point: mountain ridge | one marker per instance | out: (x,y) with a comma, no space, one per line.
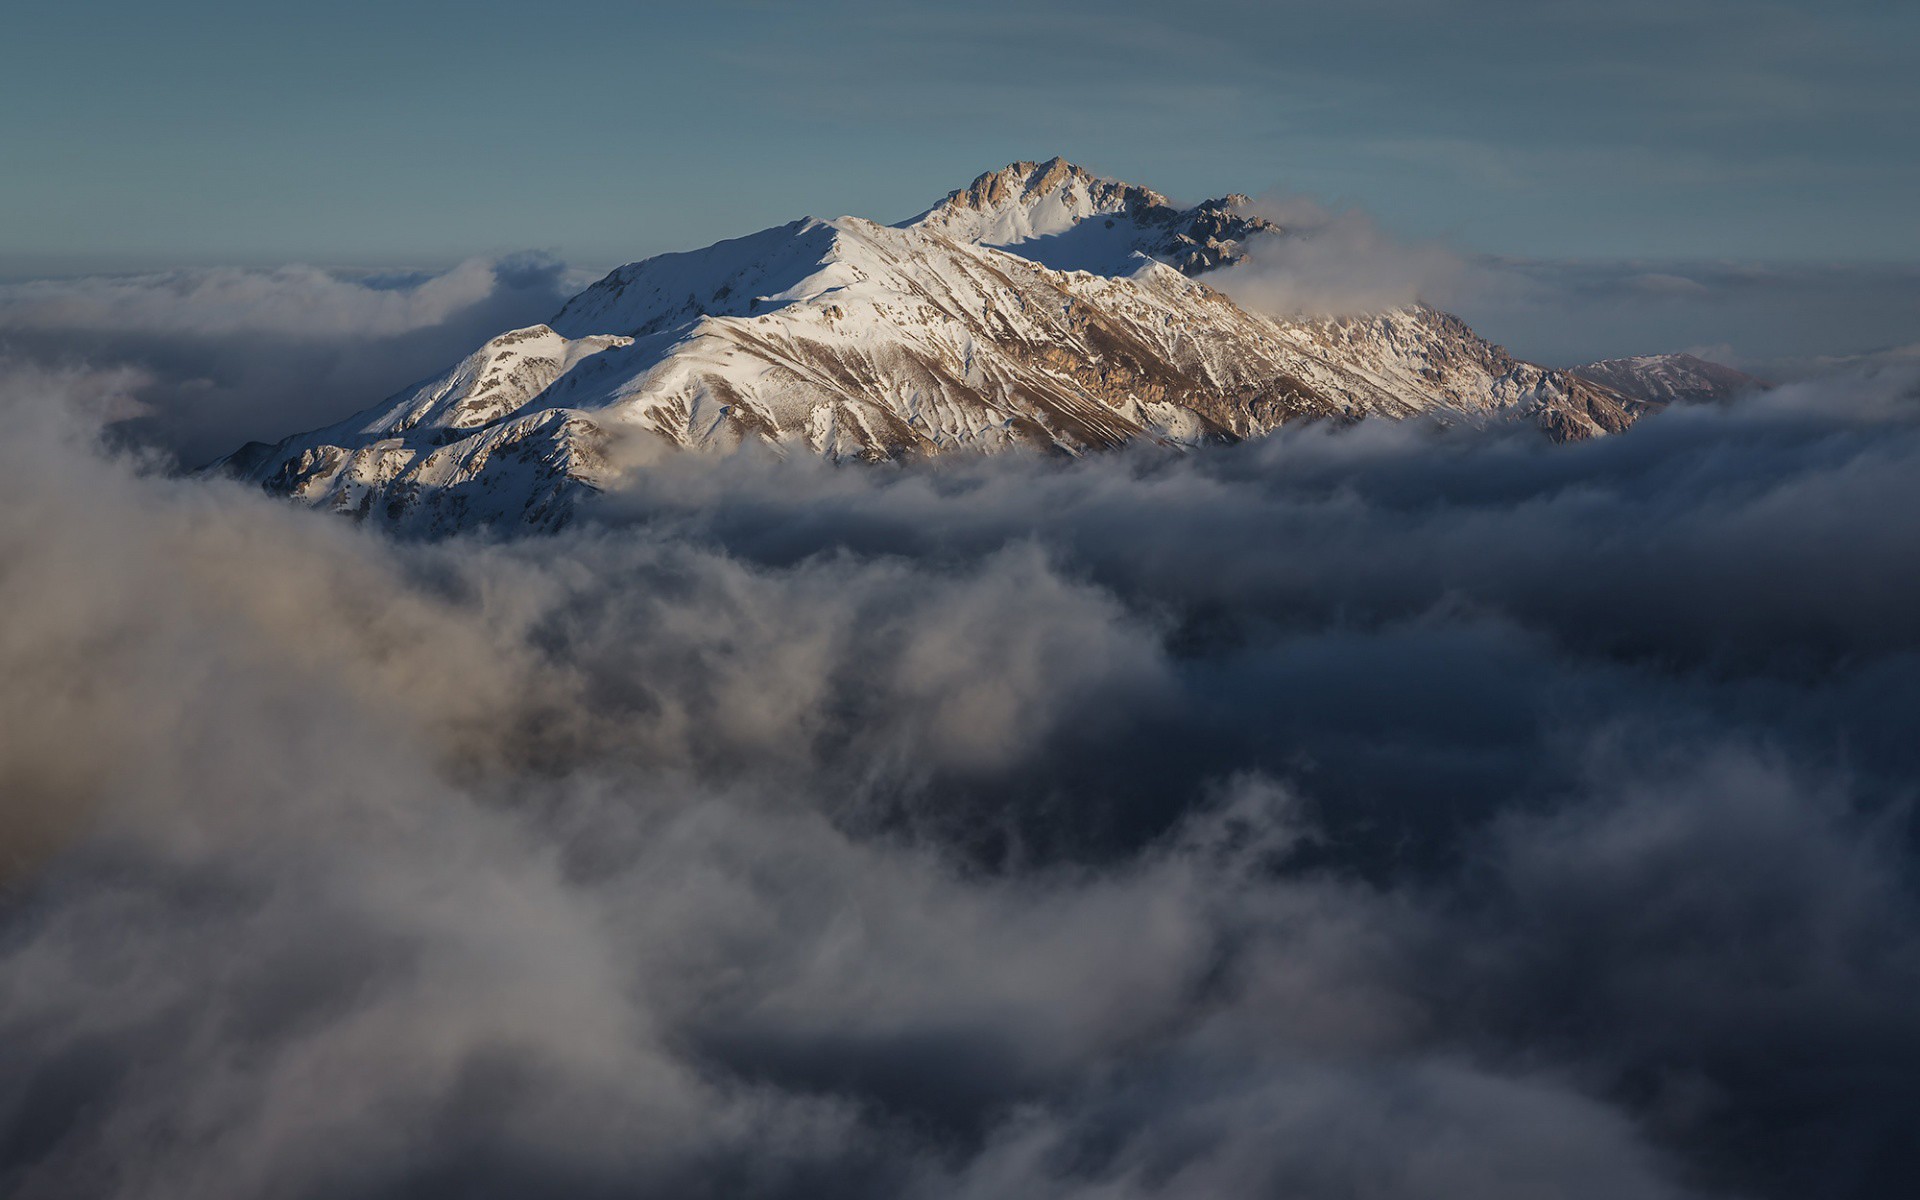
(1669,378)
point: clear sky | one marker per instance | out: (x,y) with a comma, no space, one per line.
(204,131)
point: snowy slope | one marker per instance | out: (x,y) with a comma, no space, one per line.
(966,329)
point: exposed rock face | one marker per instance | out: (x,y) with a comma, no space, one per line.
(855,340)
(1669,378)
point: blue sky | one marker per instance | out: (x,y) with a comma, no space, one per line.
(139,136)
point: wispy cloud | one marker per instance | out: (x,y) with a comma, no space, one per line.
(1333,262)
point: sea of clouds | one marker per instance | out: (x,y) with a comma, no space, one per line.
(1383,812)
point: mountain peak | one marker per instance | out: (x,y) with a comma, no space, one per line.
(1023,201)
(1024,182)
(1066,217)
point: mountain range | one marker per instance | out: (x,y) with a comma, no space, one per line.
(1041,306)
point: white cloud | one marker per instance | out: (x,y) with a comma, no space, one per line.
(1333,263)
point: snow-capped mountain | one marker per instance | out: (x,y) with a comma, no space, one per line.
(1669,378)
(1041,306)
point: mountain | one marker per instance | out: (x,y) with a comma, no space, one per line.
(1040,306)
(1669,378)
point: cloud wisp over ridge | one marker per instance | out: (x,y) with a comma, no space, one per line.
(1335,262)
(1780,320)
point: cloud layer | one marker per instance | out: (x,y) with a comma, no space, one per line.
(1390,812)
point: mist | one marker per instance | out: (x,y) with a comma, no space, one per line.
(1777,320)
(1388,811)
(1334,262)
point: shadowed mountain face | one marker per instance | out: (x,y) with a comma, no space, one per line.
(1669,378)
(1041,306)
